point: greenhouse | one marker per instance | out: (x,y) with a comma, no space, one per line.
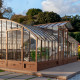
(33,48)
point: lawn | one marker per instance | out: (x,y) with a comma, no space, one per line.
(1,70)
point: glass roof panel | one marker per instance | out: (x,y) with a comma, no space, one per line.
(50,25)
(44,34)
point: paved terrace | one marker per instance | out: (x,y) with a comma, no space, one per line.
(20,76)
(62,72)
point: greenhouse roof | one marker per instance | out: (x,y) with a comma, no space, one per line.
(72,40)
(51,25)
(43,33)
(40,31)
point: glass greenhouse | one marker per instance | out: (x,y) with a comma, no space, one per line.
(33,48)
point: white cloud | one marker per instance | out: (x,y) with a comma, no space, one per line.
(62,7)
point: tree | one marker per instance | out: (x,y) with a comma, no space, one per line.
(26,20)
(41,18)
(18,18)
(75,21)
(1,5)
(7,13)
(33,12)
(48,17)
(75,35)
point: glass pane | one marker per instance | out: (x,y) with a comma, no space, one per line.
(14,45)
(26,46)
(29,46)
(3,39)
(32,48)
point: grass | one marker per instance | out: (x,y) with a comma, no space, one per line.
(30,78)
(2,71)
(14,77)
(5,79)
(49,79)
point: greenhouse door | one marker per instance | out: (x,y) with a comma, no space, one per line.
(14,44)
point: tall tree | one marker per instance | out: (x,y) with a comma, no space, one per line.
(75,21)
(33,12)
(8,13)
(48,17)
(26,20)
(5,12)
(18,18)
(1,5)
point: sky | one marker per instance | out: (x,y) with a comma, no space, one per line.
(62,7)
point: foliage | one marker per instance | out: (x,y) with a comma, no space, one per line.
(18,18)
(33,54)
(75,21)
(79,55)
(26,20)
(29,20)
(48,17)
(5,12)
(33,12)
(49,79)
(1,70)
(1,5)
(8,13)
(36,16)
(75,35)
(44,51)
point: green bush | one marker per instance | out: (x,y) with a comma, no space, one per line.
(33,54)
(44,51)
(79,55)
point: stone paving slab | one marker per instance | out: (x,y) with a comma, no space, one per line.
(42,78)
(23,77)
(62,71)
(5,73)
(15,79)
(11,75)
(32,78)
